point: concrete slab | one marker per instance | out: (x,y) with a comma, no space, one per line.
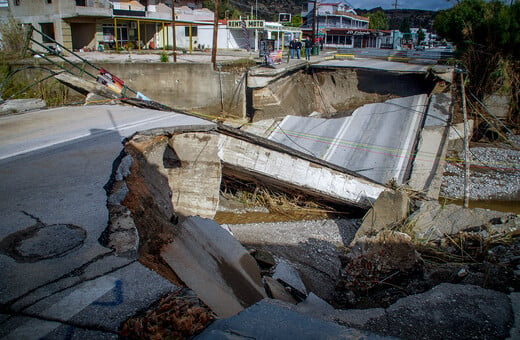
(210,261)
(269,321)
(285,170)
(261,76)
(376,141)
(199,176)
(290,276)
(104,302)
(428,164)
(96,268)
(514,333)
(28,328)
(314,305)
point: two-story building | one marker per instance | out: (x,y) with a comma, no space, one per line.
(338,25)
(102,24)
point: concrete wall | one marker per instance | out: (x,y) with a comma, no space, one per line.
(193,87)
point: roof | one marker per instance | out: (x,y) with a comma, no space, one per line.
(334,2)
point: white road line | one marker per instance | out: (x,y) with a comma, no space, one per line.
(107,130)
(64,309)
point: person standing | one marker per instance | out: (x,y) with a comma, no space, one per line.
(292,47)
(298,48)
(308,46)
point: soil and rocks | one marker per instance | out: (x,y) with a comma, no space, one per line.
(385,272)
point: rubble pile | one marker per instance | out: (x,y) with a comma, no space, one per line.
(365,274)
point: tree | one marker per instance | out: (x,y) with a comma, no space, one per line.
(405,26)
(378,20)
(225,10)
(420,36)
(487,36)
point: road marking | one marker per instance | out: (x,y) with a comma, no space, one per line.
(104,131)
(65,309)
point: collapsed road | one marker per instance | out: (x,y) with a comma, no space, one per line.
(79,287)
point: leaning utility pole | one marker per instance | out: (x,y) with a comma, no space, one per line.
(215,35)
(173,33)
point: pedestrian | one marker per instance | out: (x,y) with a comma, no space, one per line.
(298,49)
(295,48)
(292,47)
(308,46)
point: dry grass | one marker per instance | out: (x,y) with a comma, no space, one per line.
(276,202)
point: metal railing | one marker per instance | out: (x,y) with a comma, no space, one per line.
(51,49)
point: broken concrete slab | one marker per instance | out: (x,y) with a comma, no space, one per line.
(428,164)
(105,301)
(313,247)
(314,305)
(432,221)
(377,141)
(194,171)
(264,258)
(271,165)
(210,261)
(276,290)
(391,207)
(289,276)
(260,77)
(448,311)
(15,106)
(28,328)
(514,333)
(266,320)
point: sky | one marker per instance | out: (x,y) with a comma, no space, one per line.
(432,5)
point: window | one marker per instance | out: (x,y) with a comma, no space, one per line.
(48,30)
(4,3)
(187,31)
(17,2)
(49,1)
(80,3)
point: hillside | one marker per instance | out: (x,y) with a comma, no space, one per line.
(269,9)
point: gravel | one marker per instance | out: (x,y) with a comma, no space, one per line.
(495,174)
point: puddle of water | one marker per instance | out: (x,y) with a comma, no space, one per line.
(259,217)
(497,205)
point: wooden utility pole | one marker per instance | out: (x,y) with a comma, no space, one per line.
(174,33)
(314,15)
(215,36)
(467,157)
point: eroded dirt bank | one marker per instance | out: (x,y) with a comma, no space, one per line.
(333,92)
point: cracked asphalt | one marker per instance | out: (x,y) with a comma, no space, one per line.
(57,280)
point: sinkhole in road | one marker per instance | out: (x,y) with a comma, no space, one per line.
(310,234)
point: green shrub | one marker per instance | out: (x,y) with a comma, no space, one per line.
(164,57)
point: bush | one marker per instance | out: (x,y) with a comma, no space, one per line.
(13,37)
(164,57)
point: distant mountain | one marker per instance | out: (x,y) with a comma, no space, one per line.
(415,17)
(269,10)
